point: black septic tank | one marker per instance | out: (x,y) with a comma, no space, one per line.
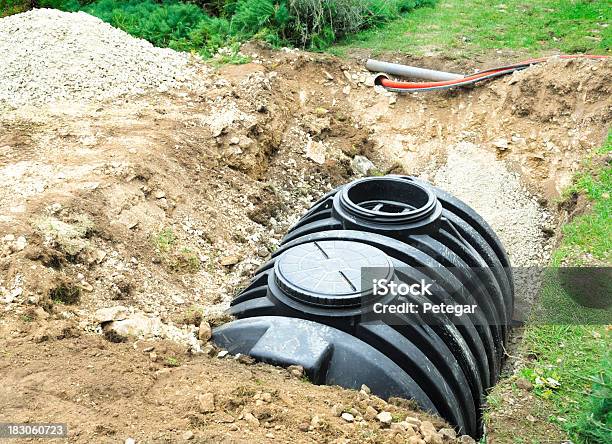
(317,302)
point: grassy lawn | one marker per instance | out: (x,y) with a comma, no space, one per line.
(466,28)
(589,236)
(566,351)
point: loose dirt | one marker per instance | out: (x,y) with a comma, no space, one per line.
(166,202)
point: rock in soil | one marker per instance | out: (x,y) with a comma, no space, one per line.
(204,331)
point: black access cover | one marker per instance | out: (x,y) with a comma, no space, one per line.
(328,272)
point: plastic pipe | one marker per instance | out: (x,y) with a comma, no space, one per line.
(402,86)
(410,71)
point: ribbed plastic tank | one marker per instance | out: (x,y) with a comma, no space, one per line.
(309,304)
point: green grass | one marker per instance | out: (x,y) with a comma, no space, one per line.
(467,28)
(571,343)
(571,361)
(164,240)
(174,255)
(589,236)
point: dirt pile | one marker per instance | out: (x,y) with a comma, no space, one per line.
(154,392)
(50,56)
(165,203)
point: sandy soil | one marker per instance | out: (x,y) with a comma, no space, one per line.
(166,203)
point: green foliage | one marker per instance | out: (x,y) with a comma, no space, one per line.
(65,294)
(10,7)
(318,23)
(590,234)
(469,28)
(165,240)
(594,424)
(205,26)
(573,372)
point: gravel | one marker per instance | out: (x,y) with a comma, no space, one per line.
(475,176)
(49,56)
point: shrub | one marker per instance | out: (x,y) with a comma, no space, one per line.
(187,25)
(10,7)
(318,23)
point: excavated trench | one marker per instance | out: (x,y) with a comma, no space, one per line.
(167,204)
(388,229)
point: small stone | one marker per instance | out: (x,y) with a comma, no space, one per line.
(398,427)
(177,299)
(393,99)
(366,389)
(251,419)
(148,349)
(297,371)
(530,418)
(159,194)
(228,261)
(315,151)
(206,402)
(188,435)
(234,141)
(328,75)
(346,90)
(362,395)
(385,418)
(20,243)
(315,422)
(348,417)
(524,384)
(222,354)
(130,441)
(370,413)
(409,429)
(501,144)
(117,313)
(41,313)
(448,434)
(413,420)
(337,410)
(430,435)
(362,165)
(86,286)
(100,255)
(136,325)
(245,359)
(415,440)
(209,350)
(204,332)
(466,439)
(262,252)
(153,357)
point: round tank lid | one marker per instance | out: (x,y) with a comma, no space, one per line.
(329,273)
